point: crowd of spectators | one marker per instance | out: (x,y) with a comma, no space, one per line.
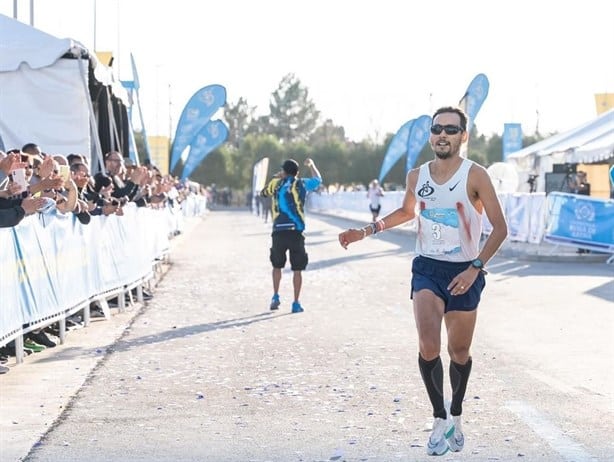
(32,182)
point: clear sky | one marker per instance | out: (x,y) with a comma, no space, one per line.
(370,66)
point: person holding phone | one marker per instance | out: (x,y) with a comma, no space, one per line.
(66,196)
(13,208)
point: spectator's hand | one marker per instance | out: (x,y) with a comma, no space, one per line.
(69,184)
(308,162)
(81,206)
(11,162)
(138,175)
(109,209)
(106,191)
(46,168)
(52,183)
(14,188)
(91,205)
(148,179)
(32,204)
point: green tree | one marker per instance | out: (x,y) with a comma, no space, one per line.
(255,147)
(240,119)
(212,169)
(494,150)
(326,133)
(293,115)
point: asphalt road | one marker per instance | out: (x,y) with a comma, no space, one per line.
(205,372)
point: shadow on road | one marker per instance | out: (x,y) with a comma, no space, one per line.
(187,331)
(180,332)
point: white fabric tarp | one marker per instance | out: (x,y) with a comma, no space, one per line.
(46,106)
(43,97)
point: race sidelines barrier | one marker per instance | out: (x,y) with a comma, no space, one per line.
(525,212)
(580,221)
(559,218)
(51,265)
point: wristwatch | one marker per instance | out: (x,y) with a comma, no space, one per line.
(477,263)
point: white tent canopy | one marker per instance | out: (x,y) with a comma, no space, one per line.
(600,148)
(588,143)
(44,92)
(571,139)
(43,98)
(24,44)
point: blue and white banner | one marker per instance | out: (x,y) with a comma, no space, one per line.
(212,135)
(52,263)
(474,97)
(196,113)
(418,136)
(512,139)
(396,149)
(581,221)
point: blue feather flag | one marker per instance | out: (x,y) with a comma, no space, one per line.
(196,113)
(474,97)
(396,149)
(211,136)
(418,136)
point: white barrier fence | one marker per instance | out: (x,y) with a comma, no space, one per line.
(52,266)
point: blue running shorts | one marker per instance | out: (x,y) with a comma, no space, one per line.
(436,275)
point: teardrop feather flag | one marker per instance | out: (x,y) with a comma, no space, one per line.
(474,97)
(418,136)
(212,135)
(196,113)
(396,149)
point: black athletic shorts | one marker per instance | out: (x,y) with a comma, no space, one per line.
(292,241)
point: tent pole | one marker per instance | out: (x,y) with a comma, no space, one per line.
(93,122)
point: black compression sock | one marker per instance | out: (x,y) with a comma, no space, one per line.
(459,376)
(432,375)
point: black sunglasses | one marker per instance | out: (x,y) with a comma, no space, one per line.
(449,129)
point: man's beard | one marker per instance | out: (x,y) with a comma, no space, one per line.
(443,155)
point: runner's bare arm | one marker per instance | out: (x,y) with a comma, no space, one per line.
(395,218)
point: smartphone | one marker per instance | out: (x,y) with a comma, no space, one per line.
(64,172)
(19,177)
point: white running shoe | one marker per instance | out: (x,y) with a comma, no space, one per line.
(438,444)
(456,440)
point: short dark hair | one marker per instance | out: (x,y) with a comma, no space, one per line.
(74,158)
(77,166)
(30,147)
(454,110)
(290,167)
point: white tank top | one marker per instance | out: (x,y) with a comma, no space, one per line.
(449,226)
